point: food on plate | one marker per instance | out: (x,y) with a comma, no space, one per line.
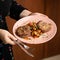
(45,27)
(23,31)
(33,29)
(33,26)
(36,33)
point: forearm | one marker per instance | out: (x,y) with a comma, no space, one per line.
(18,11)
(15,10)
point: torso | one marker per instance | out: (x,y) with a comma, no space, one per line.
(5,7)
(5,53)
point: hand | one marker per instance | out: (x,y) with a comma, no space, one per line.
(36,13)
(6,37)
(25,13)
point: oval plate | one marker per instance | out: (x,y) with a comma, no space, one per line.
(35,18)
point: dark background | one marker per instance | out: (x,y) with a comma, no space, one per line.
(48,49)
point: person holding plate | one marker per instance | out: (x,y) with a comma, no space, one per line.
(14,10)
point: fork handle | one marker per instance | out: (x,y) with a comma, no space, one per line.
(24,45)
(20,45)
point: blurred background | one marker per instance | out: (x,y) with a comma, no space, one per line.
(46,51)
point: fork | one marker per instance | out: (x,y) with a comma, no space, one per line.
(25,48)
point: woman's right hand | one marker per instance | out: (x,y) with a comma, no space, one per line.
(7,37)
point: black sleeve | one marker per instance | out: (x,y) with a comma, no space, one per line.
(3,24)
(15,10)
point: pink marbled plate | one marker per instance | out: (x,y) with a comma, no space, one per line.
(35,18)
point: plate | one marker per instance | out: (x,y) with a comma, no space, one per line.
(35,18)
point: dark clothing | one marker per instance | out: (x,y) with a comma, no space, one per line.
(11,8)
(6,52)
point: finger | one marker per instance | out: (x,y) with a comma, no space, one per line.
(12,37)
(9,41)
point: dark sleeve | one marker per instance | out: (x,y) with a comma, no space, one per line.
(15,10)
(3,24)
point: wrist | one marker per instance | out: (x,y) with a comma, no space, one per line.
(25,13)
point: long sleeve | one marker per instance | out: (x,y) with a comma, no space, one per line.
(4,11)
(3,23)
(15,10)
